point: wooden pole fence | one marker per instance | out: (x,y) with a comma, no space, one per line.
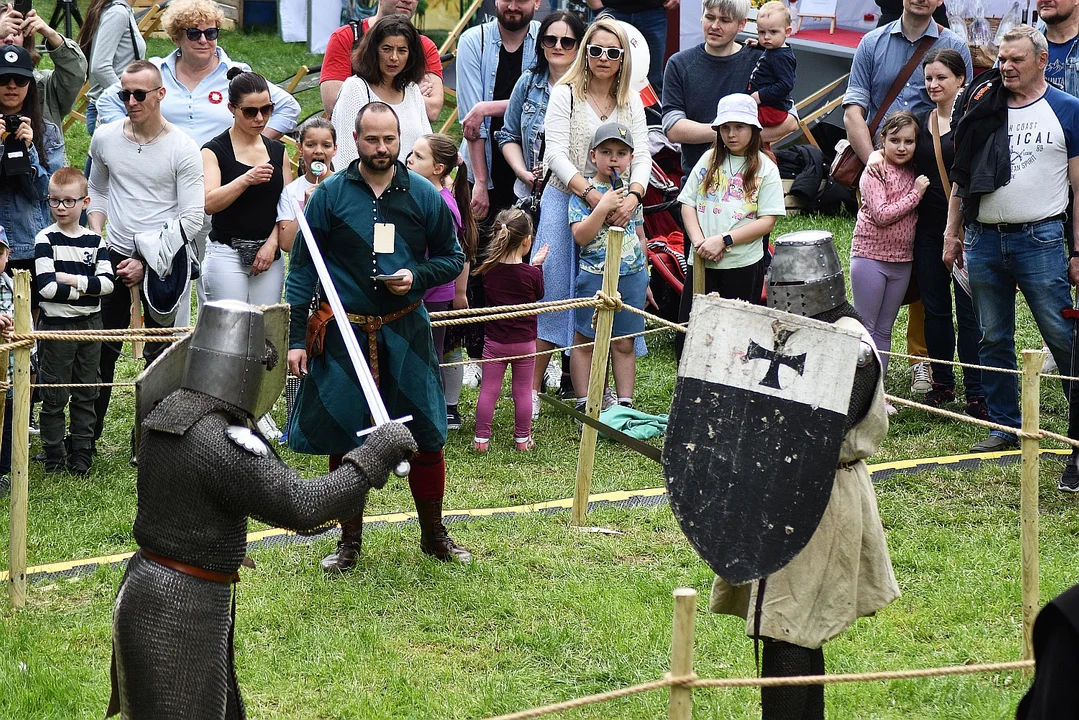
(680,703)
(20,447)
(1028,494)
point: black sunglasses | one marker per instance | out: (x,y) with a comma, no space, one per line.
(598,51)
(66,202)
(552,41)
(20,80)
(193,34)
(252,112)
(139,95)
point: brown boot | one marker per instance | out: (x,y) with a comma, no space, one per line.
(434,539)
(348,547)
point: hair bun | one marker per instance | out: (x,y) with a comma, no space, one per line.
(234,72)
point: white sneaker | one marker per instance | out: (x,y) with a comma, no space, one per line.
(921,378)
(472,375)
(552,376)
(609,399)
(1050,364)
(535,405)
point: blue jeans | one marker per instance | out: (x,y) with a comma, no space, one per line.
(935,284)
(1034,260)
(91,125)
(653,25)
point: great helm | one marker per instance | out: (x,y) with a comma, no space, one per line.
(229,356)
(805,277)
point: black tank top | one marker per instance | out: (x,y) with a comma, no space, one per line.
(252,215)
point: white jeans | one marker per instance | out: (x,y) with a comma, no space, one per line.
(225,278)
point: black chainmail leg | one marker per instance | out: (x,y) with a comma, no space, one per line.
(802,702)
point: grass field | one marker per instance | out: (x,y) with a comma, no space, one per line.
(546,613)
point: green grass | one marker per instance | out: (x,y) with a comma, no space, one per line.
(546,613)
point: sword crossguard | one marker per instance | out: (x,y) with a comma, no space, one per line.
(403,468)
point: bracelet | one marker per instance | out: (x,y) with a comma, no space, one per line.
(640,198)
(584,193)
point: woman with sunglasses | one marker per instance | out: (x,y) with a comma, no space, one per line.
(245,173)
(387,66)
(57,89)
(25,185)
(595,91)
(195,78)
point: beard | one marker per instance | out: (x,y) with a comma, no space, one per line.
(378,162)
(518,22)
(1059,17)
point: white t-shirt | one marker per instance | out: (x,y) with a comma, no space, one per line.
(726,206)
(293,192)
(354,94)
(1043,137)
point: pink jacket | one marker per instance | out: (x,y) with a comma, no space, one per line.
(885,226)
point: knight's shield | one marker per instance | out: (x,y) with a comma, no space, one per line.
(754,432)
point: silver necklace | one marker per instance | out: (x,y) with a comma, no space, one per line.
(135,138)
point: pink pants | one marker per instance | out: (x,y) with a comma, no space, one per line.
(491,386)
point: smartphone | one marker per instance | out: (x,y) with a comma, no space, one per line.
(388,278)
(23,6)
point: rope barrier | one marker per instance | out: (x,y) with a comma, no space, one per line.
(919,358)
(170,335)
(680,327)
(539,353)
(1054,376)
(82,385)
(1059,438)
(588,700)
(507,312)
(961,417)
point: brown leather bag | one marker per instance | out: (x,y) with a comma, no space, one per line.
(315,338)
(847,167)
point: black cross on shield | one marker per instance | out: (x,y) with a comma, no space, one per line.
(776,358)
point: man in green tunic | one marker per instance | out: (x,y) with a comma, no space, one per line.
(375,218)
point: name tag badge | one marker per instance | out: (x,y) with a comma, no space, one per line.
(384,236)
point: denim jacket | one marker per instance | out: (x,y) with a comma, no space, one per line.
(25,212)
(1071,65)
(523,122)
(477,63)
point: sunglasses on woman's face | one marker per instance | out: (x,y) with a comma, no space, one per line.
(598,51)
(19,80)
(193,34)
(139,95)
(252,112)
(565,42)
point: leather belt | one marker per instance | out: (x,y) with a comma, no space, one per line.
(370,324)
(192,570)
(1021,227)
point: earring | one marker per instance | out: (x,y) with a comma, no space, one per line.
(617,81)
(586,74)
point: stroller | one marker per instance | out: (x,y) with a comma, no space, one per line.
(663,225)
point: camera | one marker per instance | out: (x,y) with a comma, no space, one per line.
(16,158)
(12,122)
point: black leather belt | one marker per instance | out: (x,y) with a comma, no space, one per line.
(1021,227)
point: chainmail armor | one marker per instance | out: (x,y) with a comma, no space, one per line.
(865,377)
(796,702)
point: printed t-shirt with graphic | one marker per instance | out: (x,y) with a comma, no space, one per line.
(1058,61)
(1043,136)
(594,254)
(726,207)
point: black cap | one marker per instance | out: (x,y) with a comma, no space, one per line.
(16,60)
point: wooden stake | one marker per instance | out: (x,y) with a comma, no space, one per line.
(597,379)
(136,320)
(680,705)
(1028,494)
(20,447)
(698,273)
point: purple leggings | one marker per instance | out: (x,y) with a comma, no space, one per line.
(491,386)
(878,288)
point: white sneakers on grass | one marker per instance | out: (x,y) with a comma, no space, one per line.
(921,378)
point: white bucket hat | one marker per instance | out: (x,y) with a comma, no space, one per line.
(736,107)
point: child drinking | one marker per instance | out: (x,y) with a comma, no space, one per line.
(509,280)
(882,250)
(434,156)
(318,144)
(730,202)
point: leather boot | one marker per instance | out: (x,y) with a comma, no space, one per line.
(348,547)
(434,538)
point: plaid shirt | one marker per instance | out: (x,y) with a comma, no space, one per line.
(7,306)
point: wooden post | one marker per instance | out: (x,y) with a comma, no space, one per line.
(698,273)
(136,320)
(597,378)
(20,447)
(1028,495)
(680,705)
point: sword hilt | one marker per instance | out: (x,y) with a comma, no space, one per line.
(404,467)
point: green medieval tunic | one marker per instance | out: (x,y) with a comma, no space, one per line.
(343,210)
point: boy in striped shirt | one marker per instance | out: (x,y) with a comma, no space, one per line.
(72,271)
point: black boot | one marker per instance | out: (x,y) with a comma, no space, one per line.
(434,539)
(348,547)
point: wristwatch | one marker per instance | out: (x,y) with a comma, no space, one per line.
(728,242)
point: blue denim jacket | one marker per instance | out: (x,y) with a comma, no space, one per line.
(477,63)
(25,212)
(1071,65)
(523,122)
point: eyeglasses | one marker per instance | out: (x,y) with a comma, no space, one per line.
(139,95)
(565,42)
(252,112)
(19,80)
(66,202)
(598,51)
(193,34)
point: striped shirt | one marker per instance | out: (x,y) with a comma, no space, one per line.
(84,256)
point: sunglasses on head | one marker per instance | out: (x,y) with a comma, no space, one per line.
(252,112)
(193,34)
(139,95)
(66,202)
(552,41)
(20,80)
(598,51)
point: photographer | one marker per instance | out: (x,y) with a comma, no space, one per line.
(57,89)
(33,148)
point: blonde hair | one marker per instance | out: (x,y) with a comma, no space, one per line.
(183,14)
(579,73)
(774,7)
(510,229)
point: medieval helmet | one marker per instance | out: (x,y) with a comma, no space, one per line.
(805,277)
(228,356)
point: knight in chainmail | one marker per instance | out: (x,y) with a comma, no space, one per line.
(845,572)
(203,470)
